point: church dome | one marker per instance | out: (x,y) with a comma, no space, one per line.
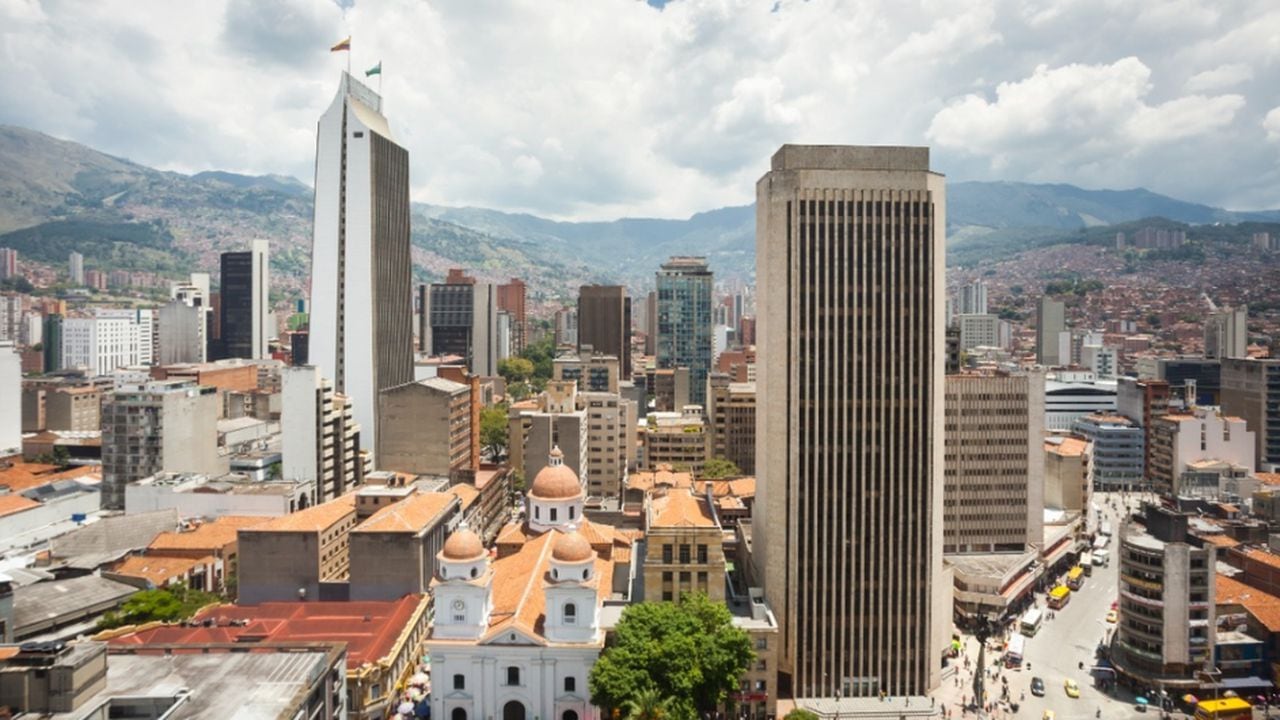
(555,481)
(571,547)
(463,545)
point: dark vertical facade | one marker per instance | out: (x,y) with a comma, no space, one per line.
(849,418)
(604,323)
(392,265)
(52,333)
(684,321)
(423,310)
(236,293)
(452,311)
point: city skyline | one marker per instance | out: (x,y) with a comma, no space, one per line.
(1145,103)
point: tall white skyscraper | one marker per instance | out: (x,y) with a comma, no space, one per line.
(973,298)
(361,311)
(849,425)
(76,268)
(11,408)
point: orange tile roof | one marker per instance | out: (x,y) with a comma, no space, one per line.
(680,509)
(1263,606)
(1070,446)
(411,515)
(159,570)
(467,493)
(214,535)
(1222,541)
(313,519)
(604,539)
(519,592)
(663,476)
(24,476)
(369,628)
(1268,478)
(11,504)
(1263,556)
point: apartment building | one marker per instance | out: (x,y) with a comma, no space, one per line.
(426,427)
(731,417)
(162,426)
(675,439)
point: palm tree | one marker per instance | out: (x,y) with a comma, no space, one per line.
(648,704)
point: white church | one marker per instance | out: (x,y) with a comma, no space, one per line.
(515,637)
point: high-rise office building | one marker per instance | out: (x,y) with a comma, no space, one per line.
(422,314)
(849,272)
(1050,324)
(75,268)
(52,342)
(511,297)
(1251,390)
(11,409)
(464,322)
(973,299)
(246,310)
(361,332)
(1226,333)
(604,323)
(8,263)
(684,321)
(994,465)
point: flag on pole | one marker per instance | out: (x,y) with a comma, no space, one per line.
(375,70)
(344,45)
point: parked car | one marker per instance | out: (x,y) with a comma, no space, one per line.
(1037,687)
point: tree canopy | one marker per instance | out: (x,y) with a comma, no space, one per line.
(687,652)
(801,714)
(493,429)
(515,369)
(718,467)
(165,604)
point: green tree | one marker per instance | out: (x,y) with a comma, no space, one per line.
(493,429)
(687,651)
(648,704)
(801,714)
(515,369)
(166,604)
(718,467)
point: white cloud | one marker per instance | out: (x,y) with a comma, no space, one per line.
(1271,123)
(1223,76)
(602,108)
(1076,114)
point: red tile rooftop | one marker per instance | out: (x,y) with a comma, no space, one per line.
(369,628)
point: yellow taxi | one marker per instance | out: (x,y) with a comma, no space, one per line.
(1112,616)
(1073,690)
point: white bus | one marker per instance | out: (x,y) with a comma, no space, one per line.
(1101,542)
(1105,530)
(1030,623)
(1013,653)
(1086,562)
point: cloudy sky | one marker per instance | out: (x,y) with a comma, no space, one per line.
(605,108)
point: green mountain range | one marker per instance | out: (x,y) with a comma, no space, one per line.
(57,196)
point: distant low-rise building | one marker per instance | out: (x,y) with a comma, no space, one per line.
(676,439)
(1118,452)
(298,556)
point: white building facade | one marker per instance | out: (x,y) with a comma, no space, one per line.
(108,340)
